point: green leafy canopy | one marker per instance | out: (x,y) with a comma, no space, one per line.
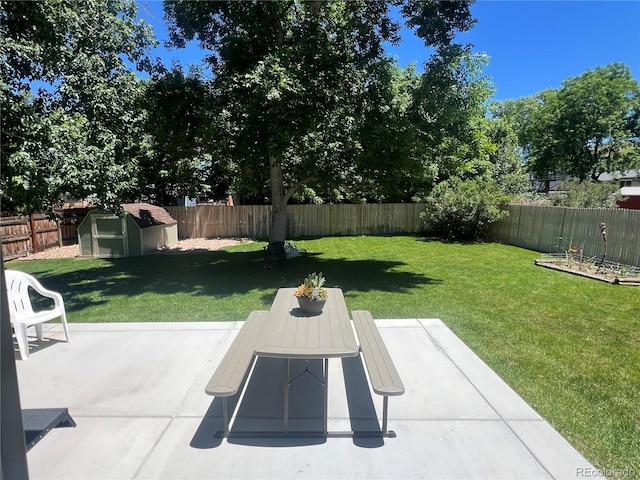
(296,79)
(79,133)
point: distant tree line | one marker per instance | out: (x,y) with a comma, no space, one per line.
(590,125)
(302,104)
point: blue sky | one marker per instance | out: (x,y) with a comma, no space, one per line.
(532,45)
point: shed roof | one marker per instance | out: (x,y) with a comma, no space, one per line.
(146,215)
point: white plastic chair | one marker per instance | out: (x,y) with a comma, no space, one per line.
(21,310)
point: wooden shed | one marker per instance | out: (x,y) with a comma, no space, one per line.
(142,229)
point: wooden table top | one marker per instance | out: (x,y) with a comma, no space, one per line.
(290,333)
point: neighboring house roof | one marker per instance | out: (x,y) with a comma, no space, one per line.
(146,215)
(627,175)
(630,191)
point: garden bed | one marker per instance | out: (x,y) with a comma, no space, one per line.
(592,268)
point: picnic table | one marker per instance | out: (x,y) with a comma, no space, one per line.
(292,334)
(286,332)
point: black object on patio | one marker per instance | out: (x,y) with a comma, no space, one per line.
(37,422)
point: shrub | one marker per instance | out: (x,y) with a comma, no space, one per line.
(575,193)
(463,209)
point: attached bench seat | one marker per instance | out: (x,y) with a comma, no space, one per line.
(228,377)
(383,375)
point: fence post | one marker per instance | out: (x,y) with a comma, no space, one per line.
(58,226)
(34,234)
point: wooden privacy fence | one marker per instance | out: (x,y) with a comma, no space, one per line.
(557,229)
(541,228)
(22,236)
(207,221)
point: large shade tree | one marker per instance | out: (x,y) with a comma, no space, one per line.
(295,77)
(185,152)
(599,121)
(69,122)
(391,165)
(449,108)
(589,126)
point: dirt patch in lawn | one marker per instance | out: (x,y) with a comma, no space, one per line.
(200,244)
(182,246)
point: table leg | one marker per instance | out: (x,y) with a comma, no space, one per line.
(324,381)
(286,395)
(326,395)
(225,414)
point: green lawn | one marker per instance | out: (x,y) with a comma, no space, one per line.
(570,346)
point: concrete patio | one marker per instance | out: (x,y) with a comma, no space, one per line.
(136,392)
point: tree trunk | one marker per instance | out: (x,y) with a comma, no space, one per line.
(278,226)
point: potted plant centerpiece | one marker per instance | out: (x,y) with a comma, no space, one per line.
(311,294)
